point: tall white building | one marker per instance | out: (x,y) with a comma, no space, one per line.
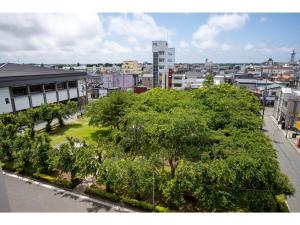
(163,60)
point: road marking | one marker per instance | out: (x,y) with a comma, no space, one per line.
(112,206)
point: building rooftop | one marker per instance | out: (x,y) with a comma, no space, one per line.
(15,70)
(253,81)
(272,86)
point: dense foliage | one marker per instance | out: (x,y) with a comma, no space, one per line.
(205,147)
(203,150)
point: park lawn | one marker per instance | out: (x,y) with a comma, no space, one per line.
(79,128)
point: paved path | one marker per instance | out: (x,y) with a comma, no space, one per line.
(30,196)
(288,157)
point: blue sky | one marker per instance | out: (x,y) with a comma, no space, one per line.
(107,37)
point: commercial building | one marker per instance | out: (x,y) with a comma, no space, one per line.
(27,86)
(252,84)
(131,67)
(163,60)
(287,107)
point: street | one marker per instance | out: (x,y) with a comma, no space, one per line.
(25,196)
(288,157)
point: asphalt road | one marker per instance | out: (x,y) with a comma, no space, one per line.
(288,157)
(25,196)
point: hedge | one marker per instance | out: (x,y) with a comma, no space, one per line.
(103,194)
(53,180)
(129,201)
(281,203)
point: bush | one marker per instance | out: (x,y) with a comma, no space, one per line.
(281,203)
(53,180)
(139,204)
(131,202)
(103,194)
(10,166)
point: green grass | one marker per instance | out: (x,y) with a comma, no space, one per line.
(78,129)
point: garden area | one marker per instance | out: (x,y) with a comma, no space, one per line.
(191,151)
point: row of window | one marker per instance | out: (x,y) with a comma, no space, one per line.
(22,90)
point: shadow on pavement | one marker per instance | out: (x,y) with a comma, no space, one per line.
(96,207)
(66,195)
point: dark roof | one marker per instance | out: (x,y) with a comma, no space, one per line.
(19,74)
(14,70)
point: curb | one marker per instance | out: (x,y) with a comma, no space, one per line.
(81,196)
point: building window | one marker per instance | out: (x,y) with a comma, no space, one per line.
(73,84)
(7,100)
(161,52)
(177,78)
(161,60)
(19,91)
(177,85)
(161,67)
(285,103)
(170,60)
(35,89)
(62,86)
(154,44)
(273,93)
(49,87)
(170,53)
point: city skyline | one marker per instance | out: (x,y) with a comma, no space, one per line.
(106,37)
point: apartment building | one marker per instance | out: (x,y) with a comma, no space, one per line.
(27,86)
(163,60)
(131,67)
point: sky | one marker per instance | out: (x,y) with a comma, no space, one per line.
(106,37)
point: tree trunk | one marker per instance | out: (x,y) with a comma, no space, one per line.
(73,175)
(172,166)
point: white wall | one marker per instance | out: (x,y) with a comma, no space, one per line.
(22,102)
(73,93)
(63,95)
(37,99)
(102,93)
(5,108)
(81,87)
(51,97)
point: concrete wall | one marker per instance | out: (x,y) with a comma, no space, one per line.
(5,108)
(22,102)
(51,97)
(63,95)
(37,99)
(73,93)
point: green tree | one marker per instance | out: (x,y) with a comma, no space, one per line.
(109,110)
(208,81)
(41,149)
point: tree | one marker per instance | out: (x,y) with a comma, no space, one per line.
(41,149)
(30,118)
(208,81)
(60,111)
(64,158)
(108,111)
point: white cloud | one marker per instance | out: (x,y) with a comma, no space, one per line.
(136,27)
(205,36)
(225,47)
(263,19)
(249,46)
(183,44)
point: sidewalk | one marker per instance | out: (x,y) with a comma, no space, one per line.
(287,134)
(288,156)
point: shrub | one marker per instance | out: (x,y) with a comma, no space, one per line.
(131,202)
(10,166)
(103,194)
(281,203)
(53,180)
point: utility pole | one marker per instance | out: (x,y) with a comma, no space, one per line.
(153,191)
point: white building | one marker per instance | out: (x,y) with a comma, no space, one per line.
(179,81)
(163,60)
(27,86)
